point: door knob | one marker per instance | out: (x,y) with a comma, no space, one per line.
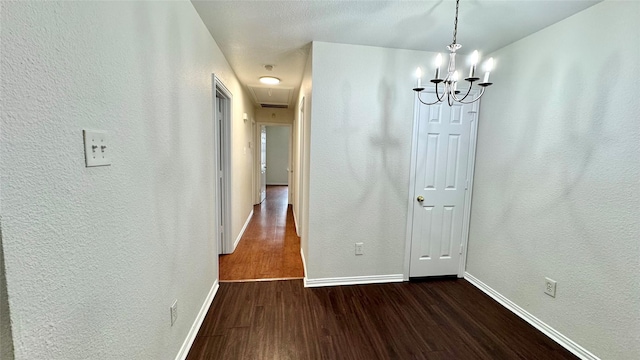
(420,198)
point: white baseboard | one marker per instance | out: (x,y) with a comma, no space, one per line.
(304,267)
(353,280)
(244,227)
(191,336)
(552,333)
(278,184)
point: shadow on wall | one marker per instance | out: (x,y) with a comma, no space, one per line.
(383,158)
(561,154)
(376,152)
(562,138)
(6,338)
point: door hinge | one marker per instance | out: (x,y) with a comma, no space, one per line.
(466,185)
(461,248)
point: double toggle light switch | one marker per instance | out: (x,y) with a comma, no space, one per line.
(96,148)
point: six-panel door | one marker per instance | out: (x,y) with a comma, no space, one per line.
(441,179)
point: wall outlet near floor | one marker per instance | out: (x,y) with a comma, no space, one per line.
(550,287)
(359,248)
(174,312)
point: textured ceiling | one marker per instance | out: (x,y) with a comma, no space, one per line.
(252,34)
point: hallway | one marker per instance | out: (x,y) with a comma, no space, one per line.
(269,248)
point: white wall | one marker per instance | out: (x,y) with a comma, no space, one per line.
(278,155)
(95,256)
(301,138)
(360,157)
(556,188)
(273,116)
(242,154)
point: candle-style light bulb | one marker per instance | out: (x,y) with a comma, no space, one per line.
(438,64)
(419,76)
(474,57)
(474,62)
(488,67)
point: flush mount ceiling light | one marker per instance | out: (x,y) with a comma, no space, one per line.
(450,82)
(269,80)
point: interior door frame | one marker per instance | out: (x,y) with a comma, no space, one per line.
(298,170)
(255,153)
(220,90)
(256,167)
(473,139)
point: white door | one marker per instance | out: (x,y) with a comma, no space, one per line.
(441,183)
(263,163)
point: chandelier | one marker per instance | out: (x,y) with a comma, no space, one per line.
(450,82)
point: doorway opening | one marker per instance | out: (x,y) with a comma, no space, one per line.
(274,159)
(269,248)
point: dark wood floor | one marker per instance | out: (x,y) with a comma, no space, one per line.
(444,319)
(269,248)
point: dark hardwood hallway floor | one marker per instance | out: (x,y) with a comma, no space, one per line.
(269,248)
(445,319)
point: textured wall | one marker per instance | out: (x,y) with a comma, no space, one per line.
(361,130)
(278,155)
(556,189)
(242,154)
(301,131)
(6,339)
(95,256)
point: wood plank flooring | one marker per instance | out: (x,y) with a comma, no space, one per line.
(443,319)
(269,248)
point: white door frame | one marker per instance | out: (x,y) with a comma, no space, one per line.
(225,245)
(256,165)
(299,169)
(473,137)
(254,147)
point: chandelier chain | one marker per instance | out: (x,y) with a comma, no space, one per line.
(455,24)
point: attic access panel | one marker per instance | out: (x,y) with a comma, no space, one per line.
(271,95)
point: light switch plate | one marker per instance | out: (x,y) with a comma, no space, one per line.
(97,150)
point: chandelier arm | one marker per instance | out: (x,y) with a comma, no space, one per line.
(444,91)
(465,95)
(474,100)
(426,103)
(450,99)
(438,97)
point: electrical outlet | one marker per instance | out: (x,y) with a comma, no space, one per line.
(359,248)
(550,287)
(174,312)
